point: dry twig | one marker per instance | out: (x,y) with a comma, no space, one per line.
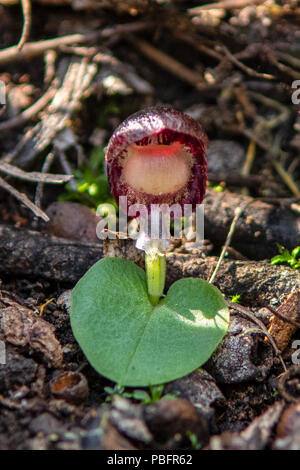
(33,49)
(242,66)
(197,43)
(226,4)
(76,81)
(245,311)
(33,176)
(248,164)
(24,199)
(26,10)
(235,179)
(30,112)
(40,186)
(171,65)
(238,213)
(285,176)
(49,59)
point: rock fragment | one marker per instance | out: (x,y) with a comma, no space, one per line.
(172,421)
(20,326)
(243,355)
(200,389)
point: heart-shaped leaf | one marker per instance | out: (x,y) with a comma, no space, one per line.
(133,343)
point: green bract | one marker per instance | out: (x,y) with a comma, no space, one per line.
(134,343)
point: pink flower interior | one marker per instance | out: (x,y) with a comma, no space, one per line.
(157,169)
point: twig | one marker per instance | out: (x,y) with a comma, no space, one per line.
(242,96)
(32,49)
(283,68)
(238,212)
(10,404)
(40,186)
(24,199)
(248,163)
(294,61)
(235,179)
(242,66)
(226,4)
(295,207)
(31,133)
(44,305)
(285,176)
(196,42)
(293,165)
(34,176)
(26,10)
(49,59)
(121,69)
(30,112)
(66,166)
(283,317)
(171,65)
(75,83)
(272,123)
(245,311)
(84,51)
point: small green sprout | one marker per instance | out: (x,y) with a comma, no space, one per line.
(155,393)
(291,258)
(116,390)
(91,182)
(218,188)
(193,440)
(235,299)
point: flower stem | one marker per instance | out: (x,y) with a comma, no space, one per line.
(155,263)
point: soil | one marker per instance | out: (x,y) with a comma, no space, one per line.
(233,72)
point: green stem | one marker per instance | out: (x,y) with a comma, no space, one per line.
(155,263)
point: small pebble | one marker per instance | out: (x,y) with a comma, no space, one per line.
(72,221)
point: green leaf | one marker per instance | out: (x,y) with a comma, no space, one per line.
(131,342)
(286,255)
(277,259)
(294,263)
(141,395)
(296,252)
(156,391)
